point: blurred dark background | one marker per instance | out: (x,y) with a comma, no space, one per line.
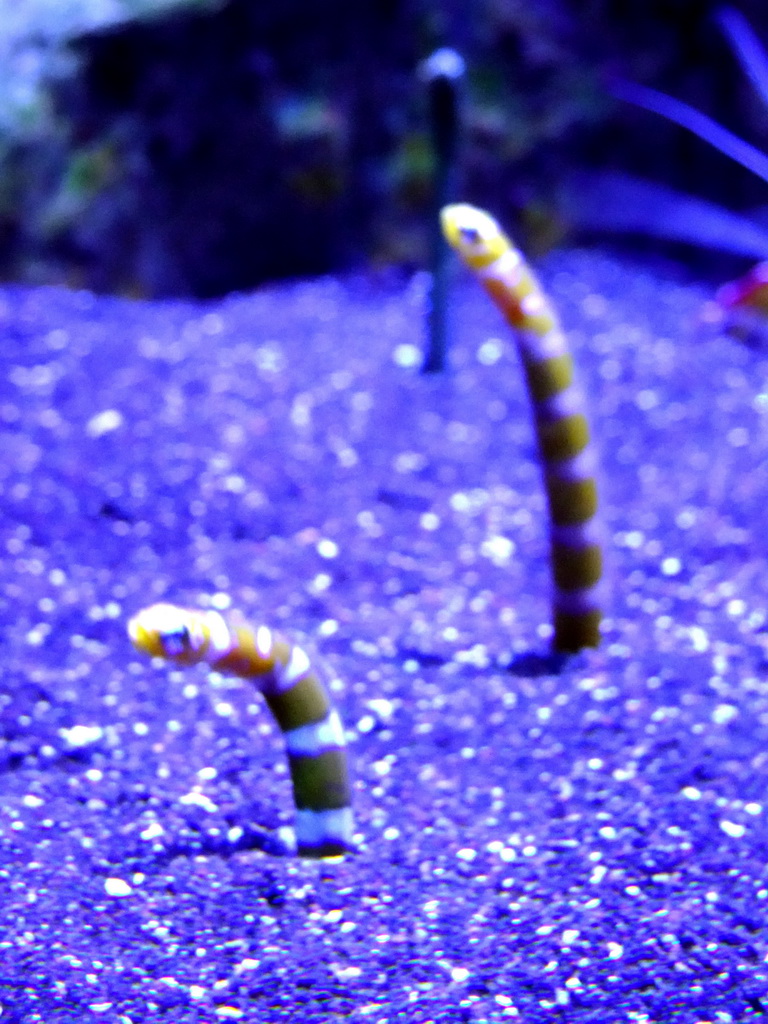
(169,147)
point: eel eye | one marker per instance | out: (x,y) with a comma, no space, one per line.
(176,642)
(470,235)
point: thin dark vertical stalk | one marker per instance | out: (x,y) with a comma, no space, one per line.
(442,72)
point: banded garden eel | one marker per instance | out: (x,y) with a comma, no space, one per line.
(562,431)
(314,734)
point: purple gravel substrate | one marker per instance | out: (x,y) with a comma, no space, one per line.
(586,844)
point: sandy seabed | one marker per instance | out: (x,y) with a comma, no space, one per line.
(576,843)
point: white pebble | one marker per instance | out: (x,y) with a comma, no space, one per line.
(104,423)
(117,887)
(724,713)
(733,829)
(81,735)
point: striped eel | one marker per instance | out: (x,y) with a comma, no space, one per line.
(314,734)
(565,449)
(750,292)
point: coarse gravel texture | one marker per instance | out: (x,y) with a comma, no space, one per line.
(537,842)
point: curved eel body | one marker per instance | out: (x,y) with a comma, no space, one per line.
(567,454)
(314,735)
